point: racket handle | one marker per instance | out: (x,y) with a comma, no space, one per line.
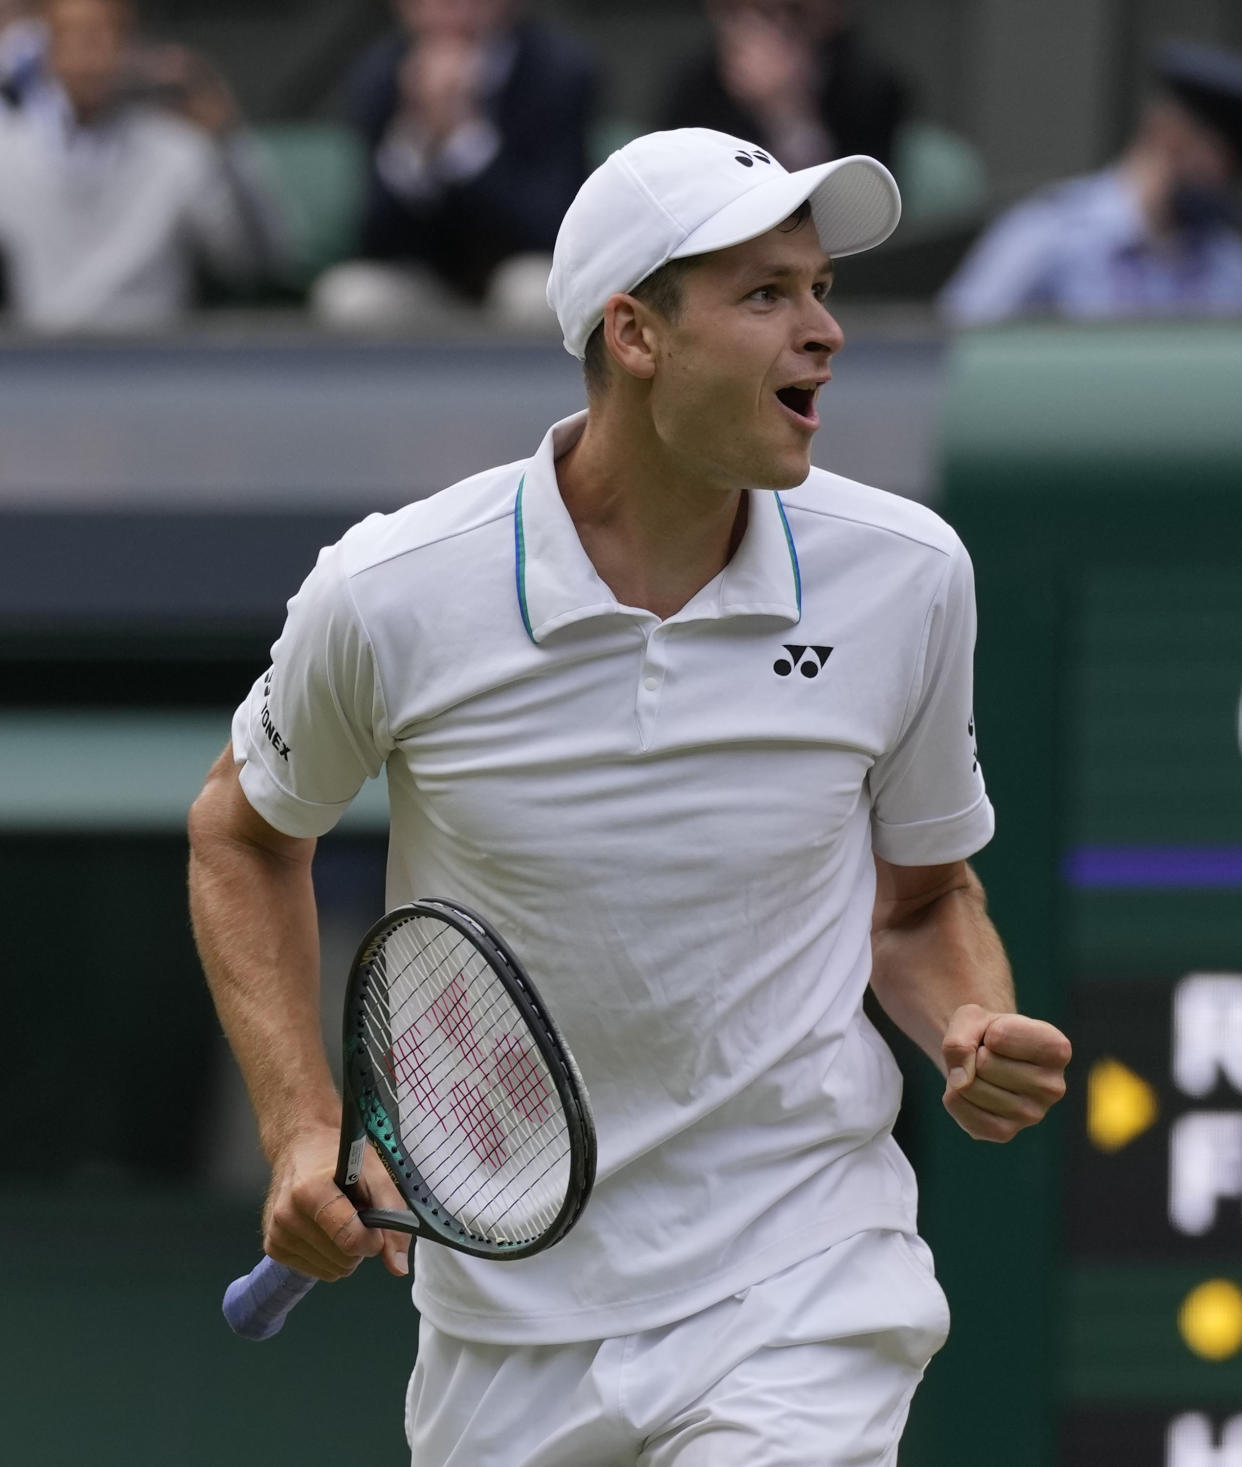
(256,1306)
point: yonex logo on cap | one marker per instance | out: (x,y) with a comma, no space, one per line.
(808,666)
(748,159)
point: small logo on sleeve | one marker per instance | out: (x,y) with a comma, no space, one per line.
(807,659)
(974,745)
(271,732)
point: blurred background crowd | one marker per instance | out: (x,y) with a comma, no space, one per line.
(383,163)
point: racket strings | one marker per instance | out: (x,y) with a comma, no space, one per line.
(532,1213)
(479,1128)
(410,1073)
(473,1101)
(479,1134)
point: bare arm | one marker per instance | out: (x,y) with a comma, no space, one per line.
(941,974)
(252,904)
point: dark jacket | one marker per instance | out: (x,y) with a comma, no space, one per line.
(861,101)
(543,113)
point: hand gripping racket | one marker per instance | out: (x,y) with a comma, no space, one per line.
(456,1074)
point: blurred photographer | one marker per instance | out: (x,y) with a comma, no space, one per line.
(1156,234)
(123,174)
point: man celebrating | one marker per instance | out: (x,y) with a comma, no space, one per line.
(691,722)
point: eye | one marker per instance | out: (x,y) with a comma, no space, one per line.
(765,295)
(820,289)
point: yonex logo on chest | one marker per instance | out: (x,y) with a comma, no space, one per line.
(807,659)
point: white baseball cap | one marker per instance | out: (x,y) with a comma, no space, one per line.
(671,194)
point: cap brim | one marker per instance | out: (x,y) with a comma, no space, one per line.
(855,204)
(1208,83)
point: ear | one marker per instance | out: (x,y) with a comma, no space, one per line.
(632,335)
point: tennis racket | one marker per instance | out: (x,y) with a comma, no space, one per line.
(456,1074)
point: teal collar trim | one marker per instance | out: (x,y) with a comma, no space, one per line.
(519,557)
(555,583)
(793,553)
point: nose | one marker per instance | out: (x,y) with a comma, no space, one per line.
(821,335)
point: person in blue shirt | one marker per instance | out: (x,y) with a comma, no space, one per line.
(1156,234)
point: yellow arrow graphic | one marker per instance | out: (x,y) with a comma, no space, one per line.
(1120,1105)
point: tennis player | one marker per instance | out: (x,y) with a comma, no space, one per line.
(690,722)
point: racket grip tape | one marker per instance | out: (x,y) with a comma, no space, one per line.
(256,1305)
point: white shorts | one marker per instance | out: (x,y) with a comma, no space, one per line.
(814,1367)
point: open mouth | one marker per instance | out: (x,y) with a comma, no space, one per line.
(799,400)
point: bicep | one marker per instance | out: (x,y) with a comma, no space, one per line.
(903,892)
(222,812)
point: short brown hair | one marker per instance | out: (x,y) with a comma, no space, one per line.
(661,291)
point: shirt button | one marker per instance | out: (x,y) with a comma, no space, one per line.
(651,683)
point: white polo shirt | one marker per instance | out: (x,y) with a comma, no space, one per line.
(673,824)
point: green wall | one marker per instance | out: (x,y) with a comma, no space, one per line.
(1095,475)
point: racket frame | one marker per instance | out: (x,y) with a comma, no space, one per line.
(364,1118)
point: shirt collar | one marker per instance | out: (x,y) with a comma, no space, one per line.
(1117,214)
(47,108)
(557,584)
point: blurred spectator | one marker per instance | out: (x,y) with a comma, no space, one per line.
(477,120)
(1156,234)
(23,39)
(122,171)
(793,76)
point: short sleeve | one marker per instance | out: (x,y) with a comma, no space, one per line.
(315,726)
(928,801)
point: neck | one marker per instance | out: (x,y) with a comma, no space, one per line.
(85,112)
(1148,173)
(655,531)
